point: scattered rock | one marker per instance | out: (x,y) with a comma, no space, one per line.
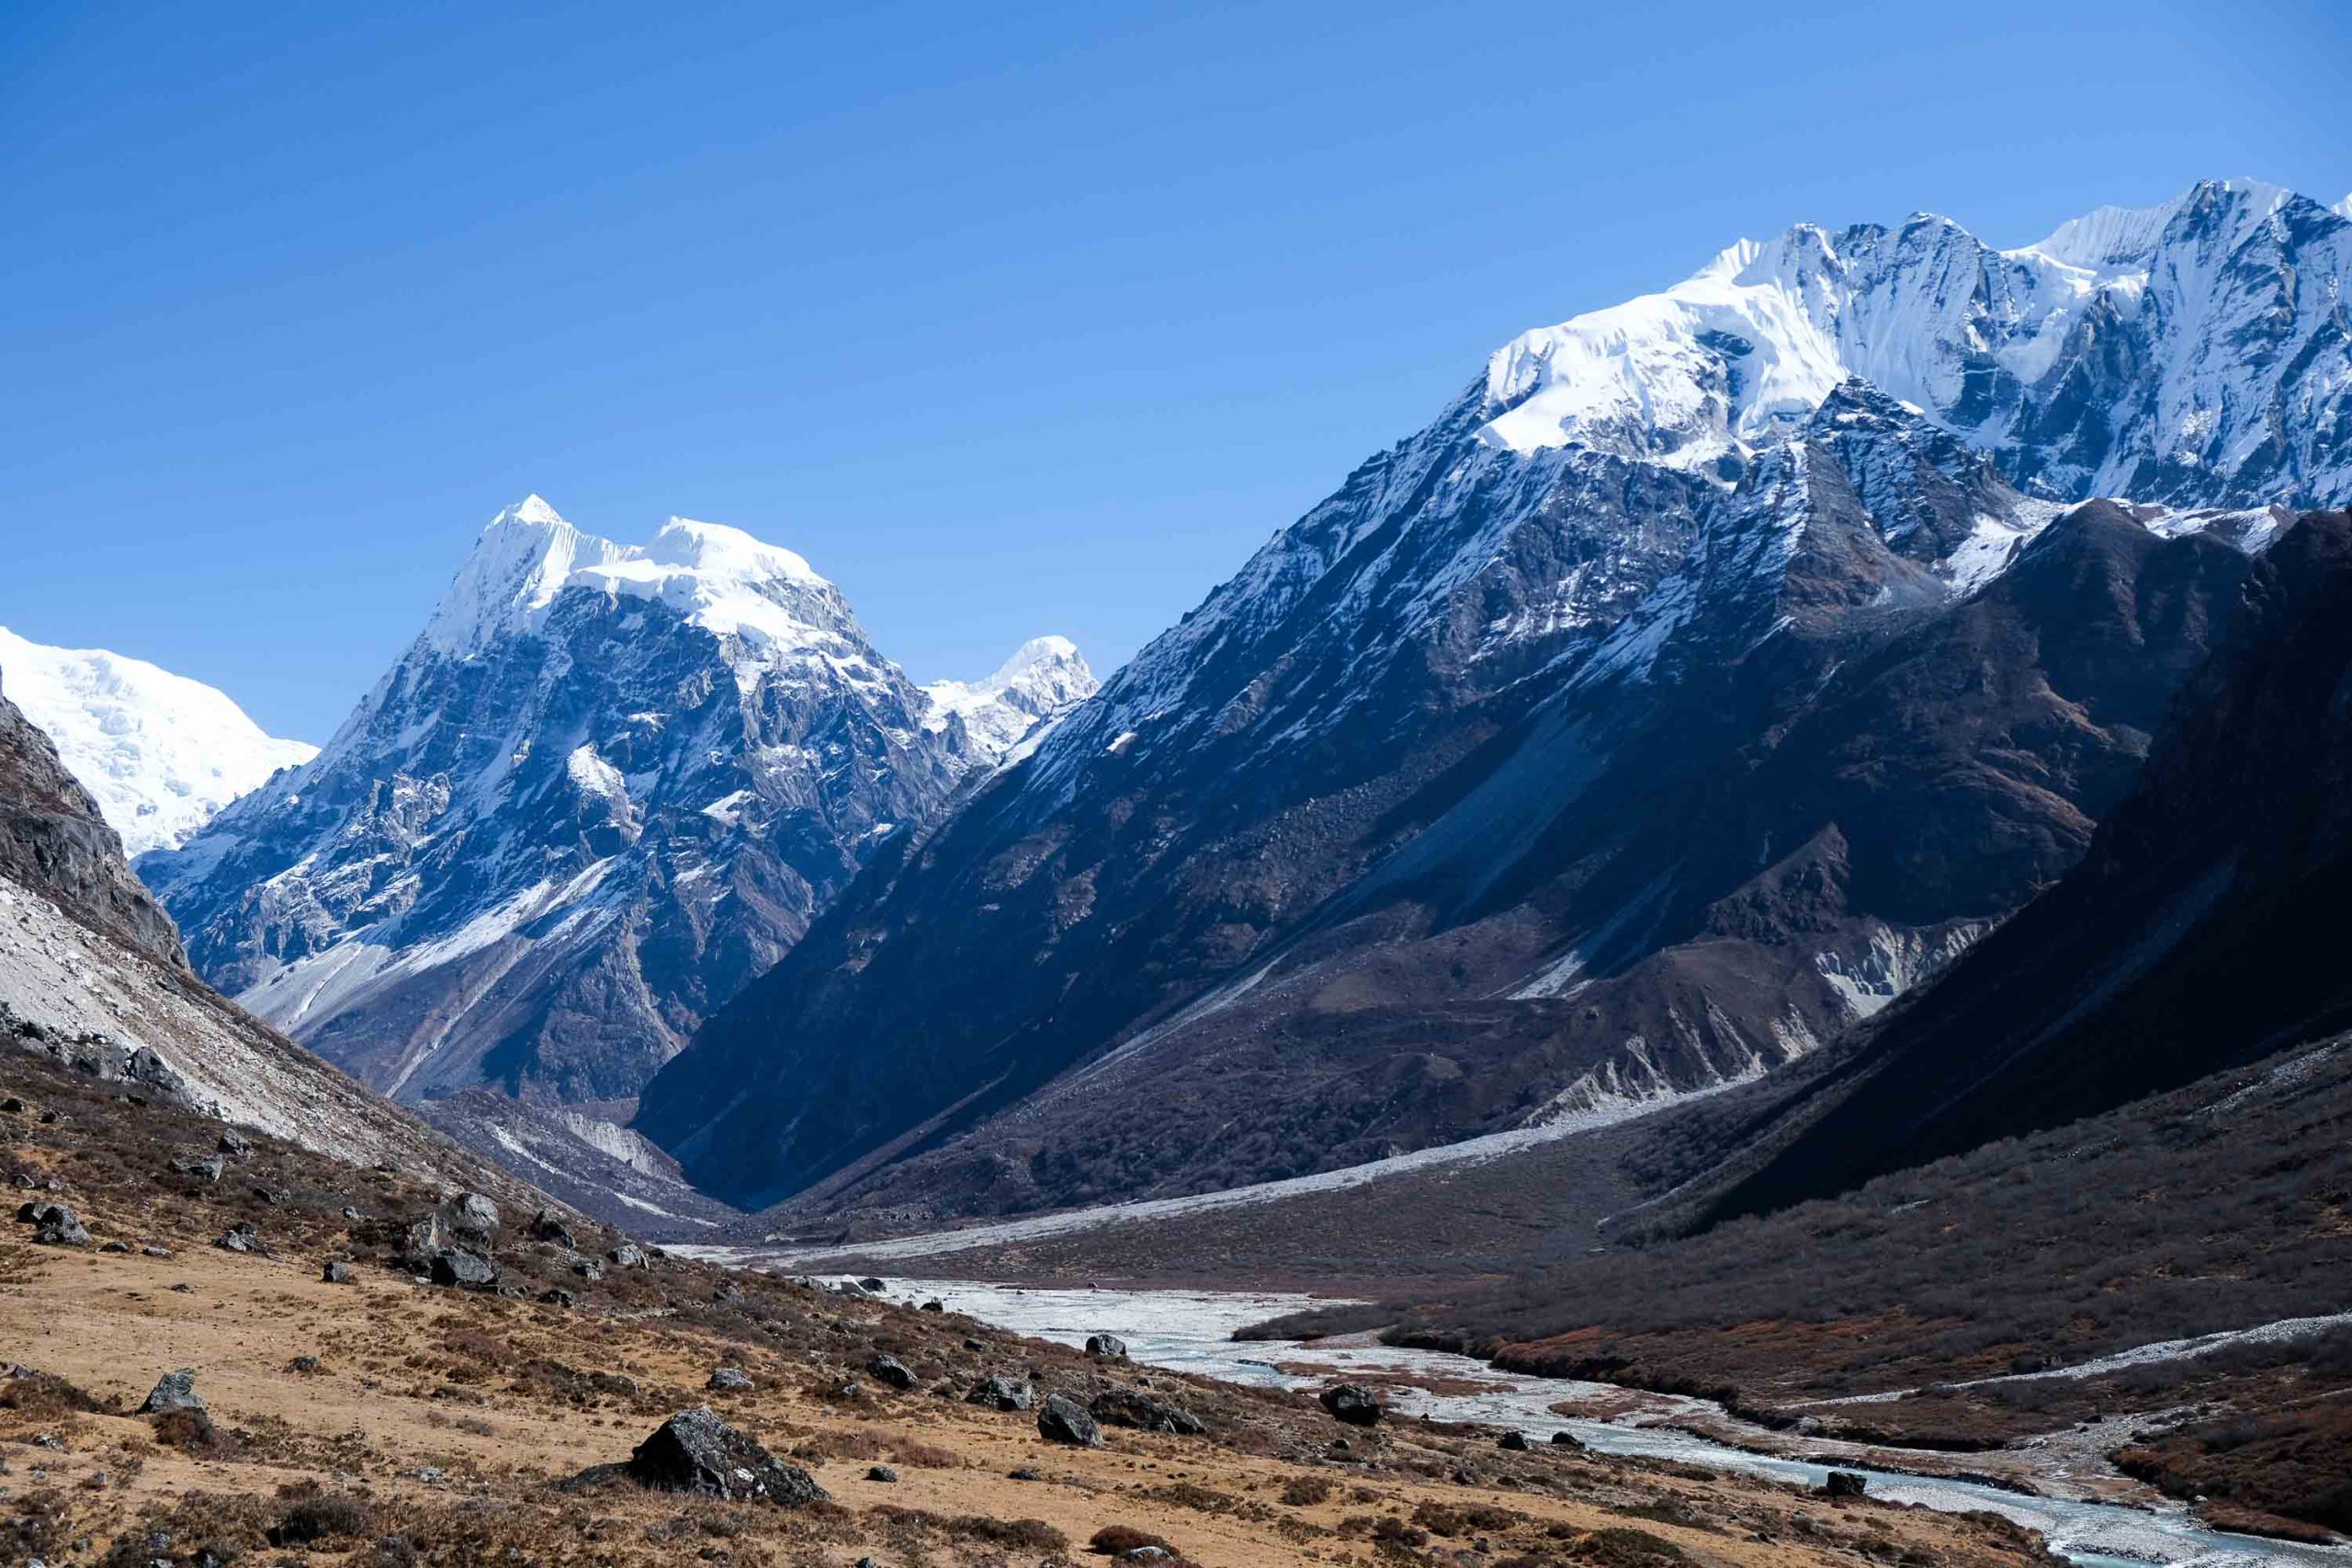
(336,1272)
(1064,1420)
(588,1267)
(1126,1407)
(308,1366)
(1106,1347)
(628,1255)
(549,1224)
(240,1238)
(235,1144)
(173,1391)
(1024,1473)
(1002,1394)
(12,1105)
(454,1266)
(53,1224)
(351,1211)
(208,1169)
(729,1293)
(153,1251)
(471,1217)
(1351,1403)
(557,1296)
(731,1379)
(934,1306)
(1844,1483)
(881,1473)
(696,1451)
(114,1246)
(888,1370)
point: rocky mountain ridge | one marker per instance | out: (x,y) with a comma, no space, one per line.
(1556,763)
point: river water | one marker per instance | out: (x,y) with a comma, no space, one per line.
(1191,1331)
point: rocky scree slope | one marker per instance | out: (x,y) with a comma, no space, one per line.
(606,786)
(1712,669)
(2199,932)
(93,979)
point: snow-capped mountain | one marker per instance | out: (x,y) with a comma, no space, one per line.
(1710,670)
(2188,351)
(160,753)
(1045,676)
(606,785)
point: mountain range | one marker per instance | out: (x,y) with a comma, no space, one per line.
(1713,670)
(606,786)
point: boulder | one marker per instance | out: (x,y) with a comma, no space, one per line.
(1844,1483)
(173,1391)
(240,1238)
(1566,1440)
(730,1380)
(206,1168)
(1127,1407)
(888,1370)
(1351,1403)
(471,1217)
(696,1451)
(1106,1347)
(235,1144)
(549,1224)
(1064,1420)
(54,1224)
(880,1472)
(1514,1442)
(421,1240)
(557,1296)
(628,1255)
(1002,1394)
(336,1272)
(470,1271)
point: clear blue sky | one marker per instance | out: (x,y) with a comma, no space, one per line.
(1011,319)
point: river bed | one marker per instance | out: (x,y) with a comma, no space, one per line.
(1191,1331)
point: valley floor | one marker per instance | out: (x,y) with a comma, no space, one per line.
(433,1425)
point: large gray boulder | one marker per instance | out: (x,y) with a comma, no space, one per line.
(173,1391)
(696,1451)
(1065,1420)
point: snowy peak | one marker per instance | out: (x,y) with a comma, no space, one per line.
(1045,676)
(717,576)
(726,581)
(159,753)
(523,559)
(2192,351)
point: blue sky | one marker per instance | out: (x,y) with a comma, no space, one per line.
(1010,319)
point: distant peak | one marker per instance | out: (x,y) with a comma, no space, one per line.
(1037,652)
(532,508)
(1045,675)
